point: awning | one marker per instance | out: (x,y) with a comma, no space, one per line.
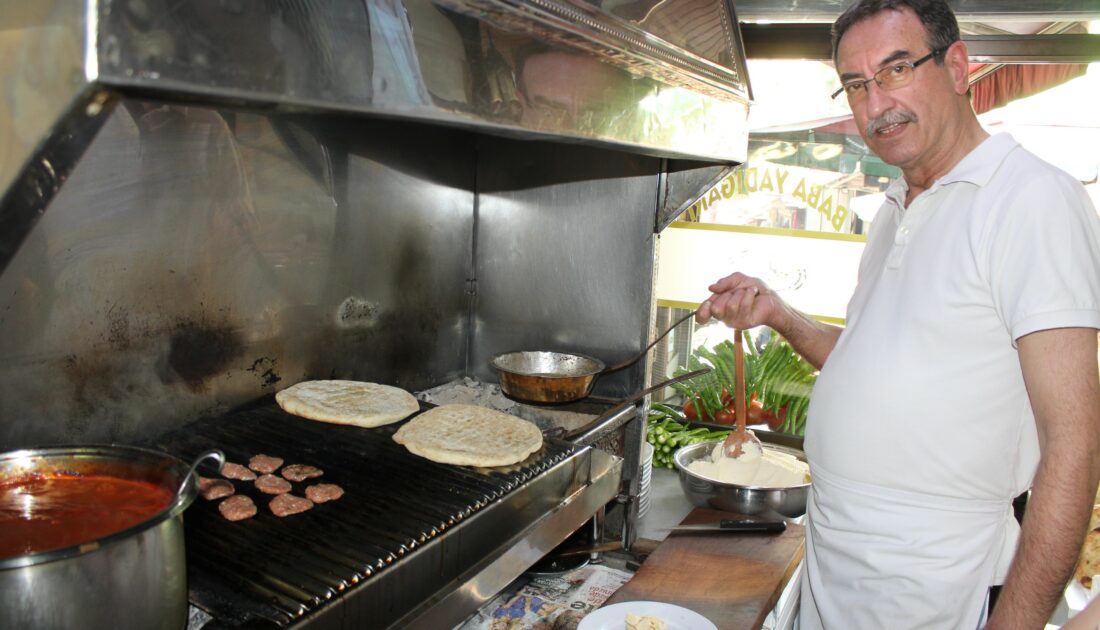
(995,88)
(1010,82)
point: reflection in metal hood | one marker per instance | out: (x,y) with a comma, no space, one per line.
(653,77)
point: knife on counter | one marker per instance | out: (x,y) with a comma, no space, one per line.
(734,526)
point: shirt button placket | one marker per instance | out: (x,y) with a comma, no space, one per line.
(901,238)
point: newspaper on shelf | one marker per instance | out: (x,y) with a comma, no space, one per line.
(556,602)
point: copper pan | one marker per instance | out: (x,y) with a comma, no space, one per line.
(541,376)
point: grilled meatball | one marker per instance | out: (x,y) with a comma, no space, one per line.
(237,508)
(322,492)
(265,463)
(270,484)
(236,471)
(301,472)
(214,488)
(287,504)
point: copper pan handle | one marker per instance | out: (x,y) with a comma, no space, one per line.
(634,359)
(596,424)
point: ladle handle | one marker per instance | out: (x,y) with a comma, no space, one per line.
(740,405)
(634,359)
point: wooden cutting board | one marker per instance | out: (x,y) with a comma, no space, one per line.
(732,579)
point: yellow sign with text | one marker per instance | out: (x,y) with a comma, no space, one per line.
(794,183)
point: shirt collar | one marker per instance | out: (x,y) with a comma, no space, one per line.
(896,192)
(977,167)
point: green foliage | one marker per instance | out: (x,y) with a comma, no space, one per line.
(776,376)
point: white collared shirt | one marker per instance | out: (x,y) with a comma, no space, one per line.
(920,431)
(923,390)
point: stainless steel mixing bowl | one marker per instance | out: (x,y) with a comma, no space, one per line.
(764,503)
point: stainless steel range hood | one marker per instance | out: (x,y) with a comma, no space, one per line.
(644,77)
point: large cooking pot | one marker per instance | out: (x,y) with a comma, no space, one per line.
(133,578)
(541,376)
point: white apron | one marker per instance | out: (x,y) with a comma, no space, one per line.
(855,578)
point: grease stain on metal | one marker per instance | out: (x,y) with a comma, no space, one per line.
(356,311)
(264,367)
(196,353)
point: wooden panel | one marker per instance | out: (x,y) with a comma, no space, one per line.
(732,579)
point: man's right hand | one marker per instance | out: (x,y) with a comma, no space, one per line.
(744,302)
(739,301)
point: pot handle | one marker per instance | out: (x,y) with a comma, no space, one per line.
(634,359)
(214,454)
(595,424)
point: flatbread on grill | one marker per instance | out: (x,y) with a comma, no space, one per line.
(348,402)
(1088,563)
(469,435)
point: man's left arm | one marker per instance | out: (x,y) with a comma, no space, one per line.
(1060,372)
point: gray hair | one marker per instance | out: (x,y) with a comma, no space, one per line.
(940,26)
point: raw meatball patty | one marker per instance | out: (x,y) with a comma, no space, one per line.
(322,492)
(287,504)
(237,508)
(236,471)
(265,463)
(270,484)
(215,488)
(301,472)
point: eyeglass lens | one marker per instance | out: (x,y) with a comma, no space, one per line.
(892,77)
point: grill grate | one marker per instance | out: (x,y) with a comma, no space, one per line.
(278,570)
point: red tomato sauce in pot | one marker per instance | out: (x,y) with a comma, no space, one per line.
(40,512)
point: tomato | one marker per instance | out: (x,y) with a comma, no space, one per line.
(689,410)
(724,416)
(755,415)
(776,419)
(726,397)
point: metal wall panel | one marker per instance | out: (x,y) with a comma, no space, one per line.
(565,255)
(199,258)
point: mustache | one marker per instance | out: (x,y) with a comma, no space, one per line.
(889,118)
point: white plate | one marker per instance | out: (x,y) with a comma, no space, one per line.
(1077,596)
(613,617)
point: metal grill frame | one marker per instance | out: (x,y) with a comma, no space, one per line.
(412,543)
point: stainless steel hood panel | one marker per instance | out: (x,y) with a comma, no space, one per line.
(44,49)
(198,258)
(554,247)
(657,78)
(665,80)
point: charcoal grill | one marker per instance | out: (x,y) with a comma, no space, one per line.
(406,532)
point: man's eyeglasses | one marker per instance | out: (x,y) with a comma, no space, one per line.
(894,76)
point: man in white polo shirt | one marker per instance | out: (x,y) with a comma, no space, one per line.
(967,372)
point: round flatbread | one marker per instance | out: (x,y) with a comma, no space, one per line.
(469,435)
(1088,564)
(348,402)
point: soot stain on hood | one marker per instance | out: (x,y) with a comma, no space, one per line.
(196,353)
(264,368)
